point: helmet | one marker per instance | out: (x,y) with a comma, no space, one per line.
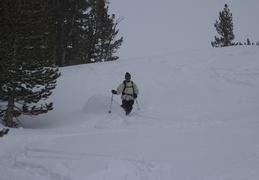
(127,75)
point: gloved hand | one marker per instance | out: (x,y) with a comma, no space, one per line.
(114,92)
(135,96)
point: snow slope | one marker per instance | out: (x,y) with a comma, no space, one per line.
(198,120)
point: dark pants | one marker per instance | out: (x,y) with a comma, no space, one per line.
(127,105)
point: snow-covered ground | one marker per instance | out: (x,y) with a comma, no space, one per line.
(198,120)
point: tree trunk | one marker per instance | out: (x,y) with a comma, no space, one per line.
(10,109)
(64,53)
(11,93)
(63,57)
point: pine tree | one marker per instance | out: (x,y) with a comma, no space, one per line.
(85,31)
(68,16)
(102,32)
(27,58)
(225,29)
(112,44)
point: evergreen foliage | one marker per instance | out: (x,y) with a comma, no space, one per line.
(36,35)
(224,27)
(102,32)
(85,31)
(27,58)
(248,42)
(4,132)
(67,17)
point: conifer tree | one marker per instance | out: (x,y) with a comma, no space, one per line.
(224,27)
(27,57)
(68,17)
(85,31)
(102,32)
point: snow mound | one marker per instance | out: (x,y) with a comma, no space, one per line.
(97,108)
(99,104)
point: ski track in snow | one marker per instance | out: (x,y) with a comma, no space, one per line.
(198,120)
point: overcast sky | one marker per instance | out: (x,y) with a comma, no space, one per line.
(160,26)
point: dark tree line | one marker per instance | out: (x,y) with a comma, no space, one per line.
(85,31)
(37,36)
(225,29)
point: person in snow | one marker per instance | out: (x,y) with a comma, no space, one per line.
(129,92)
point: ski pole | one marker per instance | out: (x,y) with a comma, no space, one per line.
(137,104)
(111,104)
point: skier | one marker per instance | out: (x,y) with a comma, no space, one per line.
(129,92)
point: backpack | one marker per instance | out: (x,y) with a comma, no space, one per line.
(123,93)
